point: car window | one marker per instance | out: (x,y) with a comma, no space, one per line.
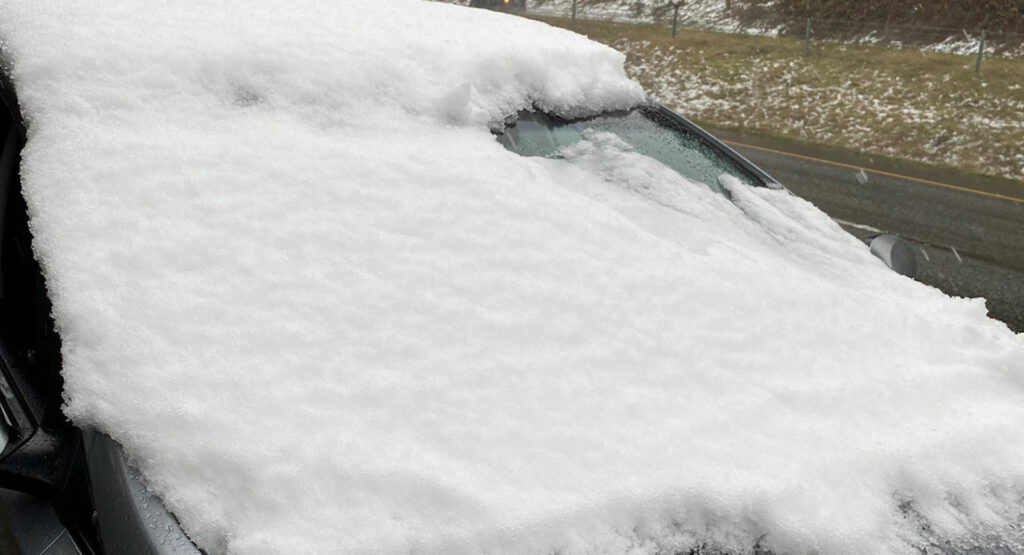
(649,132)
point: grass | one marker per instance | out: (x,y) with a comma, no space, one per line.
(927,107)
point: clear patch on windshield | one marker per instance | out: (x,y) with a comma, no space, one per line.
(650,133)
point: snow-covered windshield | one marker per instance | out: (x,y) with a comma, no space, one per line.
(533,133)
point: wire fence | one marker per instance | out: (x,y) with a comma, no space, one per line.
(972,42)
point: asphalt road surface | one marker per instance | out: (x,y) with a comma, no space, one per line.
(968,230)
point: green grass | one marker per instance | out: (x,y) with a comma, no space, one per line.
(927,107)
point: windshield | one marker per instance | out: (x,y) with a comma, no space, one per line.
(647,131)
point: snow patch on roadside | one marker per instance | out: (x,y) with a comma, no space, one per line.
(712,15)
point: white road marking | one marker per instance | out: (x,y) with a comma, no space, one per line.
(958,259)
(925,253)
(858,226)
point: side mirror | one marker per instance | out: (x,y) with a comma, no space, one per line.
(896,253)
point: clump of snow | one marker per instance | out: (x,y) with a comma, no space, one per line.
(324,310)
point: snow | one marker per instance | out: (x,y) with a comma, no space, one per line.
(325,311)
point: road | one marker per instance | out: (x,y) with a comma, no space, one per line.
(969,230)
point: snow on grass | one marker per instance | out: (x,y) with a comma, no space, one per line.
(703,12)
(325,311)
(907,106)
(946,41)
(699,14)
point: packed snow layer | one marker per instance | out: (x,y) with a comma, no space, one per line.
(325,311)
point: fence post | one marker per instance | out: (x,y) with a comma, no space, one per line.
(981,51)
(807,39)
(675,18)
(574,12)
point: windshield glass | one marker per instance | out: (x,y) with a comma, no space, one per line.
(650,133)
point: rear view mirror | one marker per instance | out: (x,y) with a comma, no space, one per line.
(896,253)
